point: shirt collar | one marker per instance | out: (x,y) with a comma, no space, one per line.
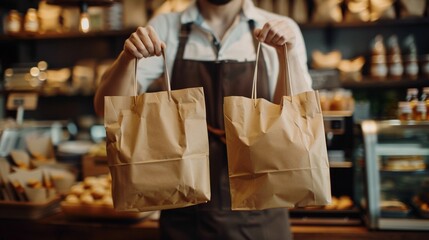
(249,12)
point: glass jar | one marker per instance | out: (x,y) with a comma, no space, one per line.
(425,66)
(13,22)
(31,23)
(421,112)
(350,102)
(405,111)
(411,67)
(325,99)
(393,45)
(412,98)
(425,98)
(378,47)
(378,68)
(396,69)
(338,102)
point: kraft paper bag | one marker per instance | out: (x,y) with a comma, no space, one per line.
(157,149)
(277,154)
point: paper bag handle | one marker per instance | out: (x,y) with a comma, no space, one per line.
(167,76)
(286,76)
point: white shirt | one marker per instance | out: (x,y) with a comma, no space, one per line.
(237,45)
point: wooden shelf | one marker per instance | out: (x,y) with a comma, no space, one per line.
(380,23)
(368,82)
(64,35)
(345,164)
(336,114)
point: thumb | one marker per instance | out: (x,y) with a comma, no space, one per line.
(257,32)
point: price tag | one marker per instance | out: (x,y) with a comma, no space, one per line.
(27,101)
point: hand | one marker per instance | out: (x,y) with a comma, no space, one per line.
(143,43)
(276,33)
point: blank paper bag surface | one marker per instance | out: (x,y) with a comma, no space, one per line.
(157,149)
(277,155)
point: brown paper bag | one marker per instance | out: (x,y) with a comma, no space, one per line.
(277,154)
(157,149)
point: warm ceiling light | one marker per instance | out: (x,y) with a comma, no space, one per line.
(84,25)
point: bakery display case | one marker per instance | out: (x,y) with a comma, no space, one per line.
(396,173)
(31,179)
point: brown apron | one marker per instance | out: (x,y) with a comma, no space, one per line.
(215,220)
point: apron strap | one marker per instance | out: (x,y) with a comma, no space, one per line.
(185,29)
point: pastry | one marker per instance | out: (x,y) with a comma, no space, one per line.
(77,189)
(333,205)
(351,65)
(405,163)
(345,202)
(34,183)
(73,199)
(86,198)
(328,60)
(393,205)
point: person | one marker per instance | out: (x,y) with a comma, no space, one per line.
(212,44)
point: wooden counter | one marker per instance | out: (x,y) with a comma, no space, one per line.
(60,227)
(353,233)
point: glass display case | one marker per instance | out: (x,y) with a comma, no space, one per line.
(396,173)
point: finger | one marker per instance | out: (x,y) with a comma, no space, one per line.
(144,37)
(156,43)
(271,35)
(274,31)
(280,41)
(256,32)
(163,47)
(138,44)
(282,33)
(289,37)
(141,48)
(281,38)
(275,39)
(264,32)
(131,49)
